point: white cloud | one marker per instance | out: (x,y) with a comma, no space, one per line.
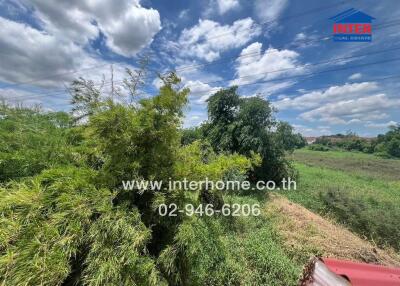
(200,91)
(355,76)
(332,94)
(208,39)
(271,64)
(54,55)
(339,112)
(28,54)
(268,10)
(14,96)
(219,8)
(300,37)
(312,131)
(128,27)
(40,59)
(183,14)
(303,40)
(226,5)
(194,118)
(381,125)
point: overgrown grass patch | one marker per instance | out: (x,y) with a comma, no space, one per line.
(360,164)
(368,206)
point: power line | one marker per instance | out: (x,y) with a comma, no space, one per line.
(56,75)
(376,79)
(219,61)
(306,76)
(299,44)
(311,11)
(303,76)
(247,76)
(62,91)
(313,64)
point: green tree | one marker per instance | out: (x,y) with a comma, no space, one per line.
(189,135)
(223,108)
(389,144)
(246,126)
(285,136)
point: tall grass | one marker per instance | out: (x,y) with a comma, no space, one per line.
(367,206)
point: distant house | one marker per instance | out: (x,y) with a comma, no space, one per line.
(310,140)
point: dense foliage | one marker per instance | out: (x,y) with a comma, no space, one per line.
(246,126)
(385,145)
(32,141)
(67,220)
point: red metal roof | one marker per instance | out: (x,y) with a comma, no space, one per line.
(362,274)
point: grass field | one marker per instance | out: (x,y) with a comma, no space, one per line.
(359,191)
(356,203)
(358,164)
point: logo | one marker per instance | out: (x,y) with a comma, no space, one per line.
(352,26)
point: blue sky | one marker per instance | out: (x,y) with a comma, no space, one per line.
(281,50)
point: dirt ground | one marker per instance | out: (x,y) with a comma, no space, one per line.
(306,234)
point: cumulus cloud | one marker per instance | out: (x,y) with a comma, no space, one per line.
(305,40)
(351,103)
(40,59)
(127,26)
(381,125)
(194,118)
(332,94)
(208,39)
(226,5)
(312,131)
(15,96)
(28,54)
(200,91)
(53,52)
(355,76)
(268,10)
(339,112)
(183,14)
(254,65)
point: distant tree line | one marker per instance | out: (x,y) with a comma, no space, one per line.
(385,145)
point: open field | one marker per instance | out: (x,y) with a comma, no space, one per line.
(359,164)
(349,189)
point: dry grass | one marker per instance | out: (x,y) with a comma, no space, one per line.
(307,234)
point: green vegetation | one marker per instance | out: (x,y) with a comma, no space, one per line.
(67,220)
(352,189)
(247,126)
(32,141)
(358,164)
(385,145)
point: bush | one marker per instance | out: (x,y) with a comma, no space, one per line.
(318,147)
(32,140)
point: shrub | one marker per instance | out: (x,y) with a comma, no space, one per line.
(318,147)
(32,140)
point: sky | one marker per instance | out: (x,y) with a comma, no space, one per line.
(281,50)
